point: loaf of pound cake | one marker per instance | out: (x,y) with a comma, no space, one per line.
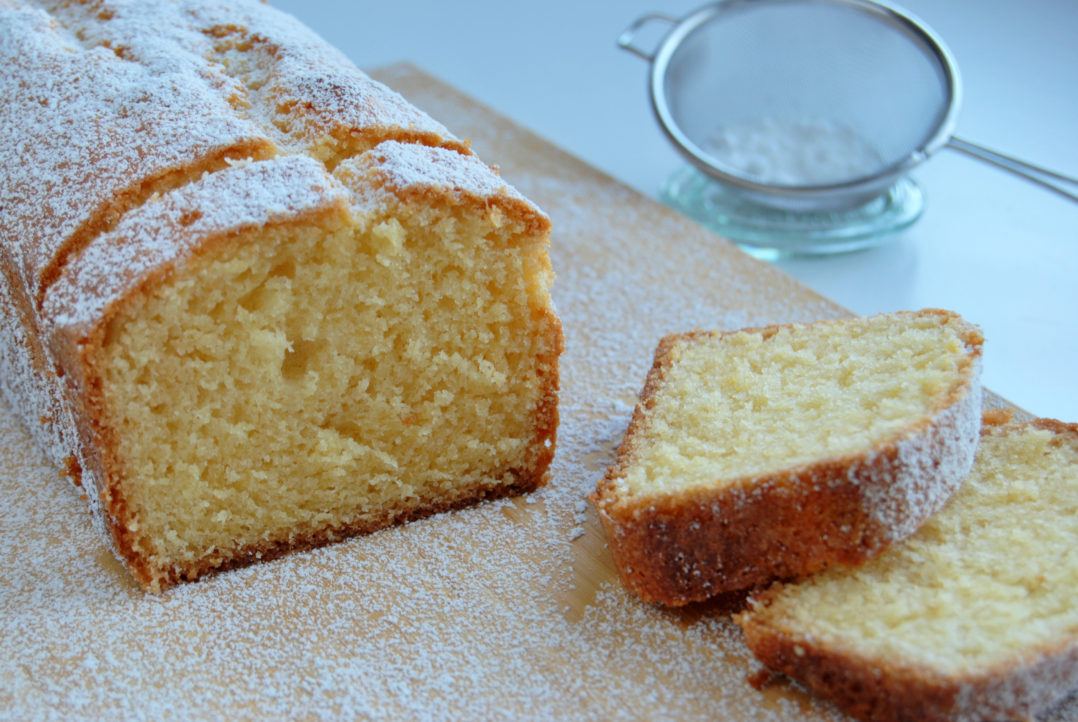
(254,301)
(770,453)
(972,618)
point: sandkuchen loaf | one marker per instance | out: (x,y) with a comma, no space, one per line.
(254,301)
(972,618)
(769,453)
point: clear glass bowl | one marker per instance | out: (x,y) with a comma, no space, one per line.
(768,232)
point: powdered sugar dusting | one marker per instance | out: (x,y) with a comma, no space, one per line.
(404,165)
(503,610)
(66,134)
(285,68)
(104,99)
(944,453)
(458,615)
(165,230)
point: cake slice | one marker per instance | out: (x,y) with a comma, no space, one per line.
(972,618)
(773,452)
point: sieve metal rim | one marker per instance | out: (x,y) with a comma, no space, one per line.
(830,195)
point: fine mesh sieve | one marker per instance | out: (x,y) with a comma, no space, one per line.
(808,105)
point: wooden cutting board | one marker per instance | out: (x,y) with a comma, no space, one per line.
(508,610)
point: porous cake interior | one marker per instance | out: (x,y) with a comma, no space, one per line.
(992,574)
(749,403)
(322,373)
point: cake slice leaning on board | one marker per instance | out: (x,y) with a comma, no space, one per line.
(254,301)
(770,453)
(972,618)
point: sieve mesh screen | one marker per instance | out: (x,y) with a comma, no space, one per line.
(807,70)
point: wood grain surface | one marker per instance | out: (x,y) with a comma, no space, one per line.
(510,610)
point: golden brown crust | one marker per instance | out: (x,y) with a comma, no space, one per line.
(547,416)
(687,546)
(875,691)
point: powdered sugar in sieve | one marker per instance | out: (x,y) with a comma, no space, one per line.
(793,151)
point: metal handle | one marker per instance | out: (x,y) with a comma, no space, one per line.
(1064,185)
(625,40)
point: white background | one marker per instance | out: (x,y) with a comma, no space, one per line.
(1001,252)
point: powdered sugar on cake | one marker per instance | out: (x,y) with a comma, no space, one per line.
(166,100)
(70,100)
(167,229)
(405,170)
(900,505)
(294,72)
(406,165)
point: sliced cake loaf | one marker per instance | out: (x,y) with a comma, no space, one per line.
(771,453)
(254,301)
(973,618)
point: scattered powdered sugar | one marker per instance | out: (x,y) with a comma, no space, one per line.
(407,164)
(794,151)
(502,610)
(467,615)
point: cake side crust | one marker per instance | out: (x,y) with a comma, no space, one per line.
(881,691)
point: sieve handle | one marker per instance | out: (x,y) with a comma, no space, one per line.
(625,40)
(1064,185)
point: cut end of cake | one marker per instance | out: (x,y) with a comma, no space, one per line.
(770,453)
(363,361)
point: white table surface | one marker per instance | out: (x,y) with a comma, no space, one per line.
(1000,251)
